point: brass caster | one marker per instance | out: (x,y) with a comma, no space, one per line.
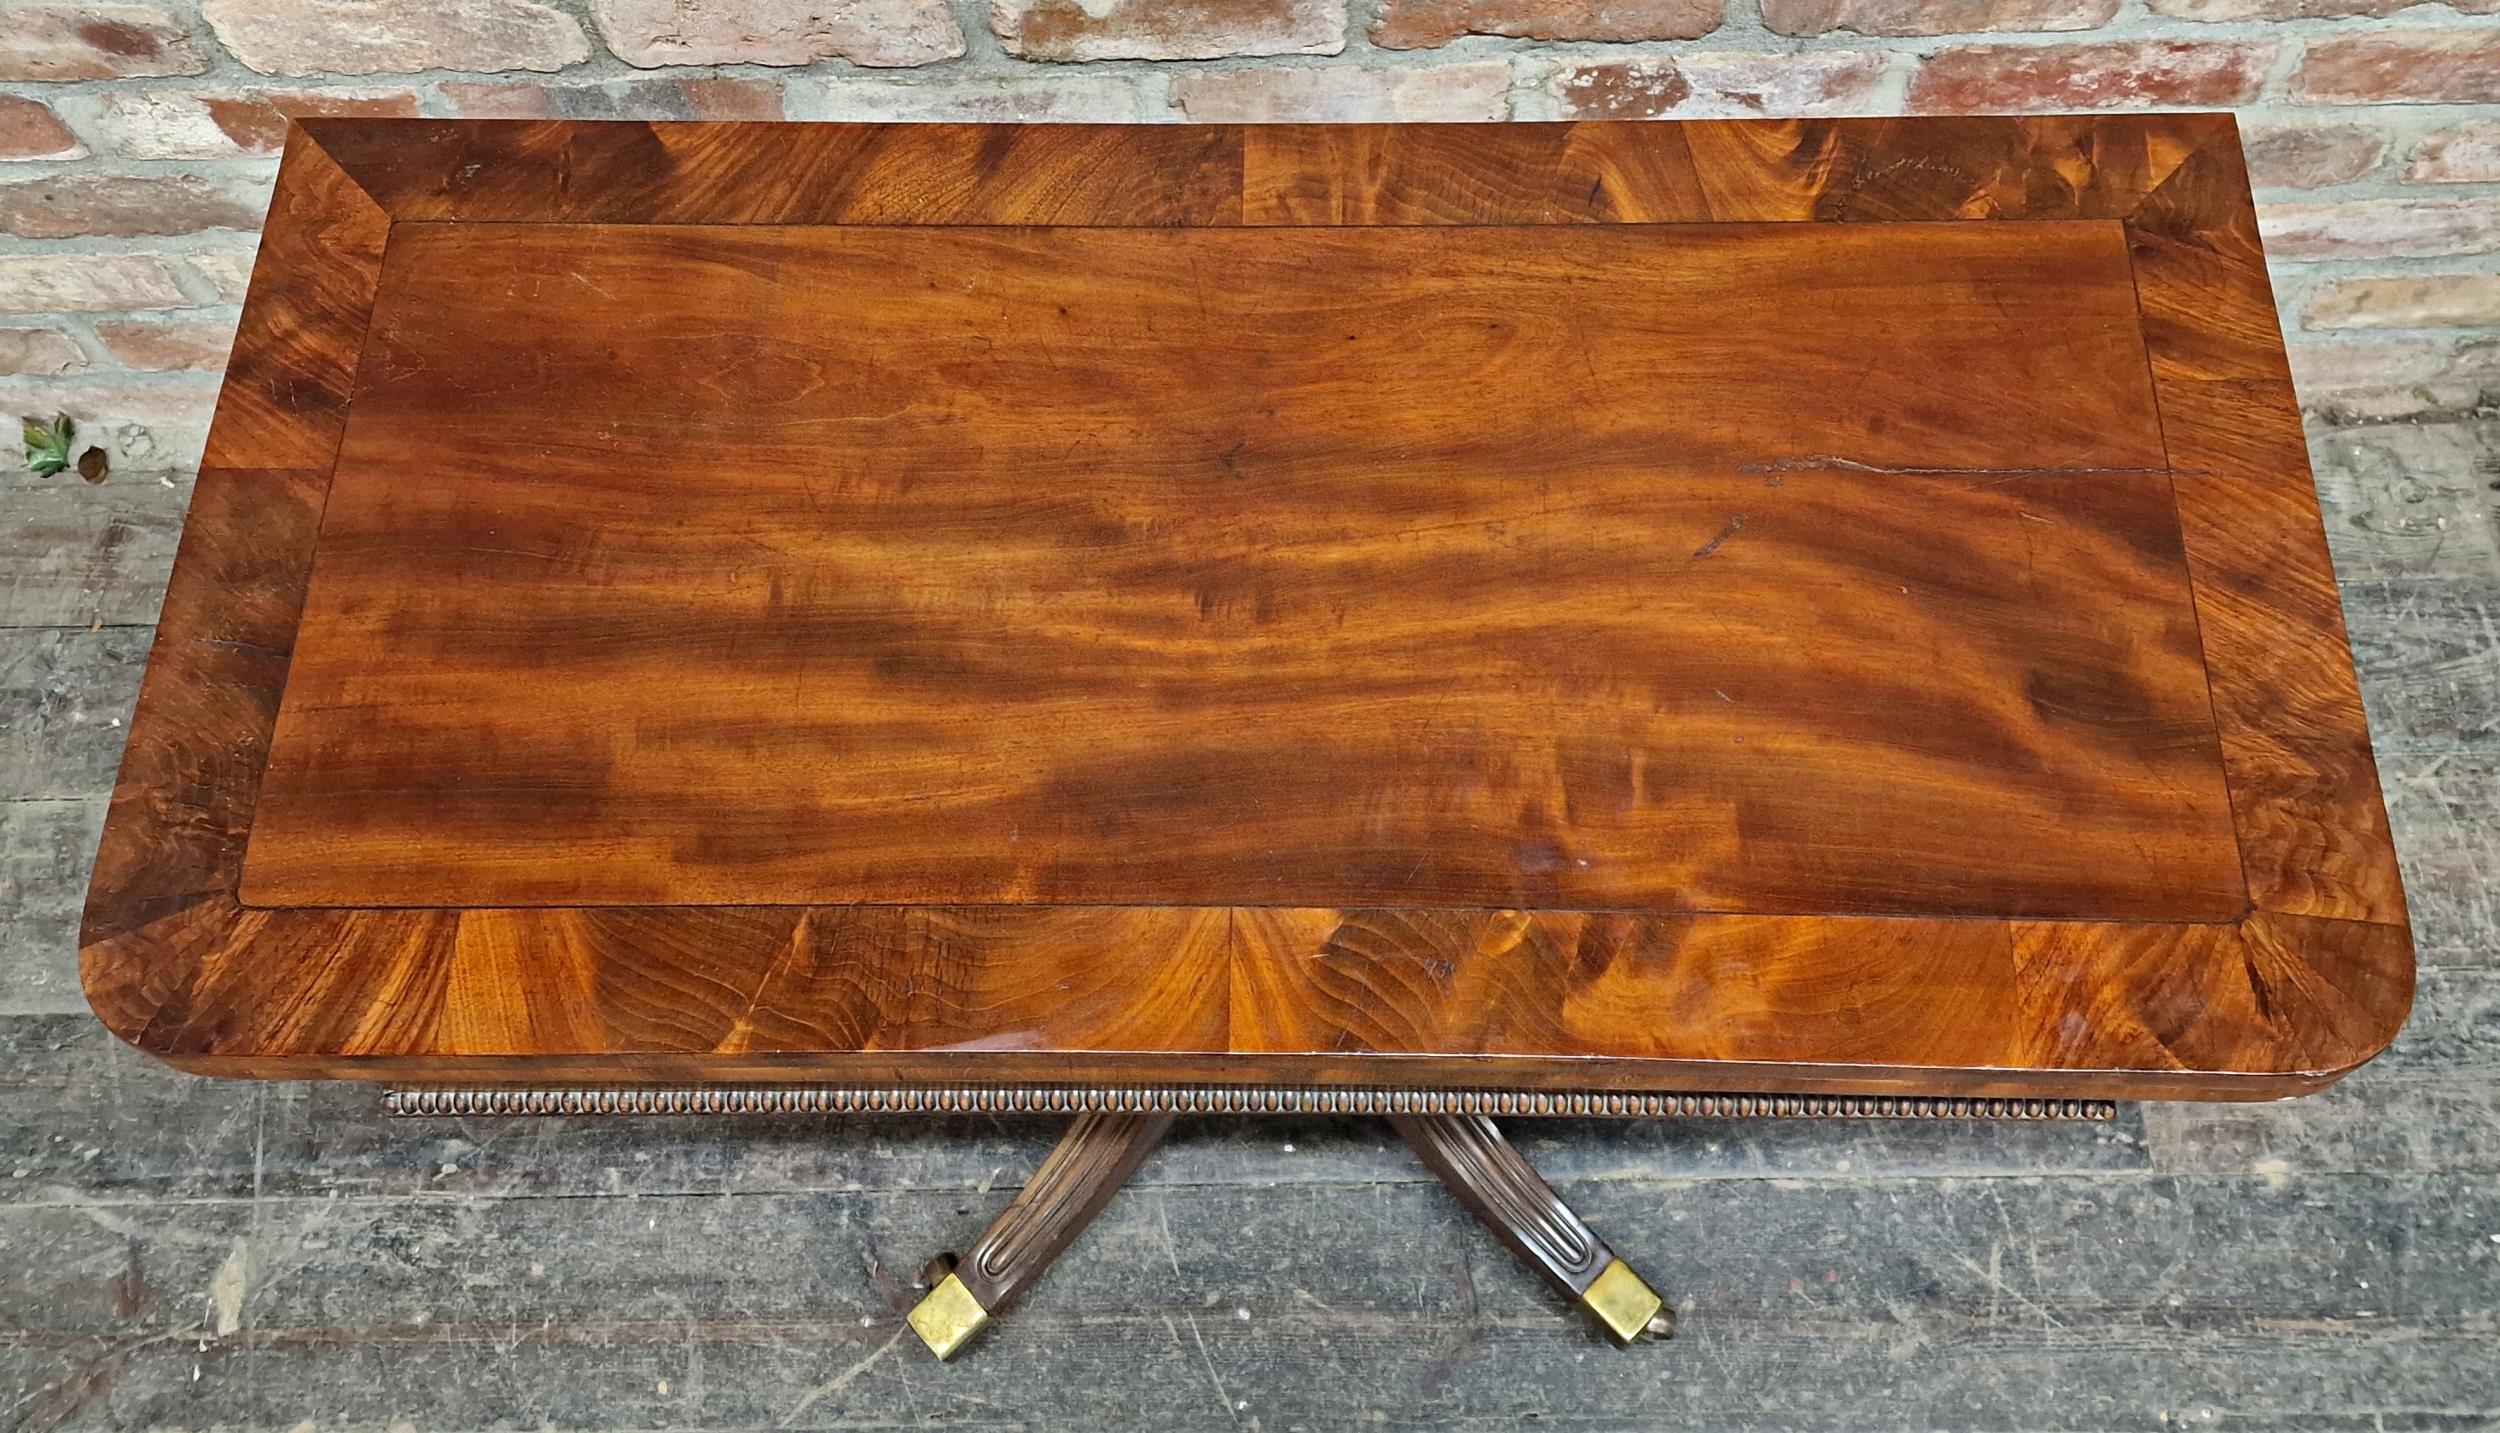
(1090,1163)
(948,1317)
(1627,1306)
(1498,1185)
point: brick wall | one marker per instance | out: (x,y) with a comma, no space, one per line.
(136,138)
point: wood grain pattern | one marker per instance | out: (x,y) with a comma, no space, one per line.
(2179,550)
(2313,828)
(1918,170)
(1554,1000)
(191,772)
(287,383)
(483,171)
(1234,590)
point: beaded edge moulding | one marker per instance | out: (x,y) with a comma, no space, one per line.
(817,1100)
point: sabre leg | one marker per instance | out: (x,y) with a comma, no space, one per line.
(1093,1159)
(1498,1185)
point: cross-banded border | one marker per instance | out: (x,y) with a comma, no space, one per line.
(2315,979)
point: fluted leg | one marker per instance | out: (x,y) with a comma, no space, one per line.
(1097,1155)
(1498,1185)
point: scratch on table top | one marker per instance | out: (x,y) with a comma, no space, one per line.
(1829,462)
(1734,525)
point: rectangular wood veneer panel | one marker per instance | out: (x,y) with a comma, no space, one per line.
(1814,606)
(1284,567)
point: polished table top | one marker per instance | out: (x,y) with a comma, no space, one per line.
(1824,607)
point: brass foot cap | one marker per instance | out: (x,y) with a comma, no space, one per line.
(1623,1303)
(948,1318)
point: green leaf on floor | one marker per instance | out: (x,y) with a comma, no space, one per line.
(47,444)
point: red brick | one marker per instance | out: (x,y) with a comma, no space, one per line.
(173,125)
(256,120)
(2399,66)
(228,271)
(1718,85)
(369,37)
(1075,30)
(39,352)
(93,42)
(2466,154)
(1060,97)
(696,97)
(1998,78)
(2381,228)
(2307,156)
(651,33)
(722,97)
(168,347)
(500,99)
(2223,10)
(30,130)
(1420,24)
(1479,90)
(86,283)
(2405,301)
(74,204)
(2331,365)
(1933,17)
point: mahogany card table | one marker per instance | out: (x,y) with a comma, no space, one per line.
(1441,621)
